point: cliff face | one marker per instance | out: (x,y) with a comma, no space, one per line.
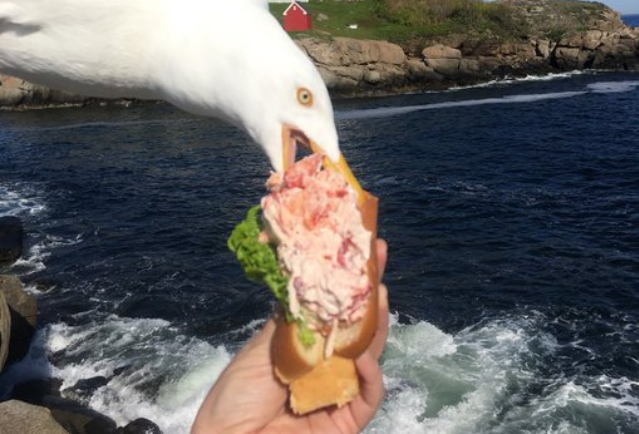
(17,93)
(547,17)
(363,67)
(351,67)
(355,67)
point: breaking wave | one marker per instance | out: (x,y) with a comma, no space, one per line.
(593,88)
(494,377)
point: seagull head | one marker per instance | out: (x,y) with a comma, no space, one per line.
(257,79)
(294,110)
(288,106)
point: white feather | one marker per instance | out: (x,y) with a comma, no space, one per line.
(13,14)
(223,58)
(261,3)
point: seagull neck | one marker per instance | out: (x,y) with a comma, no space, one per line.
(99,49)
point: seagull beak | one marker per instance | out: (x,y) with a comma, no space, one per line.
(292,137)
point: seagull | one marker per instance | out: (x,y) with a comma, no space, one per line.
(228,59)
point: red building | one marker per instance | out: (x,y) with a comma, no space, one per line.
(296,18)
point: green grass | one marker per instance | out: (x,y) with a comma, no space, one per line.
(407,22)
(363,13)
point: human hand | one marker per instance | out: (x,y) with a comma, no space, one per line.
(248,398)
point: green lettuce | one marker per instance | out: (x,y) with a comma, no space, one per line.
(258,259)
(260,264)
(305,335)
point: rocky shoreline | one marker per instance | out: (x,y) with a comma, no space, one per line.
(350,68)
(354,67)
(41,405)
(358,68)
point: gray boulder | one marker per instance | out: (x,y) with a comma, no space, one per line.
(347,52)
(444,66)
(73,416)
(17,417)
(5,330)
(543,48)
(78,419)
(17,92)
(440,51)
(23,310)
(571,58)
(363,52)
(442,59)
(417,70)
(469,67)
(140,426)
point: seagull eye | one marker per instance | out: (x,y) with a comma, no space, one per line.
(305,97)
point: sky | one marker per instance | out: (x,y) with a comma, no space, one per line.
(623,6)
(626,7)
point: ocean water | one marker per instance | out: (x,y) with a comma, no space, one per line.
(512,214)
(631,20)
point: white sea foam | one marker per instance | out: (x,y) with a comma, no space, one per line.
(473,381)
(134,354)
(33,259)
(24,200)
(598,87)
(98,124)
(455,381)
(509,99)
(550,77)
(603,402)
(514,80)
(20,199)
(613,86)
(175,406)
(476,381)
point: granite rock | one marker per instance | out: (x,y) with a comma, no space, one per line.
(17,417)
(23,310)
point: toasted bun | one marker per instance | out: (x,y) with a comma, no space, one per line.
(314,381)
(332,382)
(290,357)
(353,340)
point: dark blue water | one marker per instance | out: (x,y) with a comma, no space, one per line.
(631,20)
(511,211)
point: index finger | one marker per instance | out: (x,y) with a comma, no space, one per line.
(379,340)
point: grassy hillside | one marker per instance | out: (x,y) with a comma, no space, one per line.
(339,15)
(400,20)
(406,20)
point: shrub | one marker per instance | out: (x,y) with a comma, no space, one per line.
(461,15)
